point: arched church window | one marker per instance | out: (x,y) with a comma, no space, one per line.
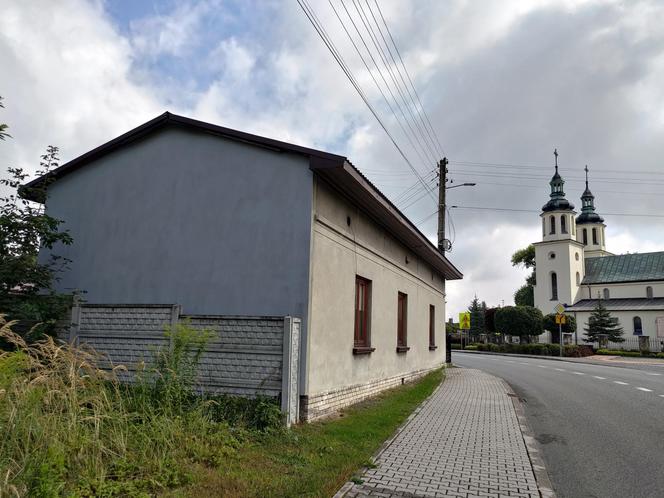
(594,236)
(576,256)
(638,327)
(554,286)
(649,292)
(607,294)
(578,278)
(543,227)
(585,237)
(552,222)
(552,255)
(563,224)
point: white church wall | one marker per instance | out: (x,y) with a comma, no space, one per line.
(621,291)
(626,320)
(565,259)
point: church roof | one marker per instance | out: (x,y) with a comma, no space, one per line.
(625,268)
(624,304)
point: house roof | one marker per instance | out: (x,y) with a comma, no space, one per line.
(625,304)
(335,169)
(625,268)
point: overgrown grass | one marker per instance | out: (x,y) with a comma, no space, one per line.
(71,428)
(313,459)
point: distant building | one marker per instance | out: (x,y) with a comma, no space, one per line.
(574,268)
(227,223)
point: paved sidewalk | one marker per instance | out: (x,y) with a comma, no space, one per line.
(465,441)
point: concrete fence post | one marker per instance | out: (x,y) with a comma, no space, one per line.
(290,395)
(75,324)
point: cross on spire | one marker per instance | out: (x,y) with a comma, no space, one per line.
(555,153)
(586,170)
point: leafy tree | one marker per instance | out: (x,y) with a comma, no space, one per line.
(603,326)
(26,283)
(3,127)
(525,296)
(521,321)
(525,257)
(550,324)
(477,310)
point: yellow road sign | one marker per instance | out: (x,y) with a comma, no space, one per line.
(560,309)
(561,319)
(464,320)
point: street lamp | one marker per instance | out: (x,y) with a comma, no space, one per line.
(461,185)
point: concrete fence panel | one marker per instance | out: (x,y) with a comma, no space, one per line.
(246,356)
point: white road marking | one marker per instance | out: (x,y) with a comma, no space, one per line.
(661,395)
(560,369)
(542,366)
(644,389)
(524,363)
(651,373)
(510,361)
(598,377)
(578,373)
(621,383)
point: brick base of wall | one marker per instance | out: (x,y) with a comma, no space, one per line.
(327,403)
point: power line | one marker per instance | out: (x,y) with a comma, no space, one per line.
(539,166)
(311,16)
(382,76)
(383,56)
(433,132)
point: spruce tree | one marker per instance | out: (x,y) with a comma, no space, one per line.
(477,310)
(602,325)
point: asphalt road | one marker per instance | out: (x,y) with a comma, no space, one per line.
(601,428)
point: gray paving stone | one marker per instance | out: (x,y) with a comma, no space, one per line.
(465,441)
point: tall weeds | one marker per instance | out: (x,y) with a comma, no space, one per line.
(70,427)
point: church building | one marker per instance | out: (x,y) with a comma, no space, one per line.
(574,268)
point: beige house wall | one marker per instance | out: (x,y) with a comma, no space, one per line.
(624,290)
(346,243)
(626,319)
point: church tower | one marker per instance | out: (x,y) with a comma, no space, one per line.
(559,256)
(590,226)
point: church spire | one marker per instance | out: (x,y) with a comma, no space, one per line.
(557,201)
(588,214)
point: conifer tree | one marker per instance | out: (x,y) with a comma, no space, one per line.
(601,325)
(477,310)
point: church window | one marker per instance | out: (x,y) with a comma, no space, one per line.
(554,286)
(552,222)
(607,294)
(649,292)
(552,255)
(543,227)
(585,237)
(594,236)
(638,327)
(563,224)
(576,256)
(578,278)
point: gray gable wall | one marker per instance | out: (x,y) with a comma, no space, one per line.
(215,225)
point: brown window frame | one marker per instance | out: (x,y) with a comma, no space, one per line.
(362,332)
(432,328)
(402,322)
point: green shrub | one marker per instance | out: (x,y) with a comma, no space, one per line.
(659,355)
(455,345)
(618,352)
(71,428)
(471,347)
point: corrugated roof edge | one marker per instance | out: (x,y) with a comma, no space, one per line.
(320,161)
(619,304)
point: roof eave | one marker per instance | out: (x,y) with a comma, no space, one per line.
(347,179)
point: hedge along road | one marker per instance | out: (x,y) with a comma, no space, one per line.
(601,428)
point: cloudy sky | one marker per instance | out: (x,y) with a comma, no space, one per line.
(503,83)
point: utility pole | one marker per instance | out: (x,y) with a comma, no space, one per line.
(442,185)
